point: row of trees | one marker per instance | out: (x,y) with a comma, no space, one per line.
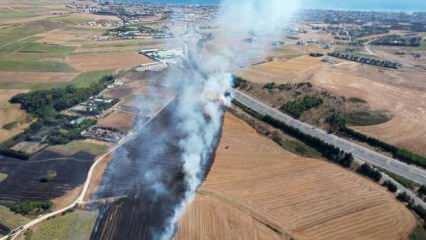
(401,154)
(330,152)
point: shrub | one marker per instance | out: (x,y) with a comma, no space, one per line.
(370,172)
(390,186)
(297,107)
(403,197)
(28,207)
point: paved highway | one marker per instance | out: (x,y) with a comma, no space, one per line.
(411,172)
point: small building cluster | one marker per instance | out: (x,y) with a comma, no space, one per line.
(111,135)
(170,56)
(365,60)
(398,40)
(94,106)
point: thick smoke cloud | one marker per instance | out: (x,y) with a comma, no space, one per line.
(205,87)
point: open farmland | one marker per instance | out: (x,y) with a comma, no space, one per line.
(101,61)
(32,80)
(401,92)
(293,70)
(277,194)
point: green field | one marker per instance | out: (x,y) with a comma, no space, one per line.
(29,85)
(13,33)
(30,46)
(76,225)
(10,219)
(15,14)
(34,66)
(86,79)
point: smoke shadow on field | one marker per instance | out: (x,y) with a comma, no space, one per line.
(149,171)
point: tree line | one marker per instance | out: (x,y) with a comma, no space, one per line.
(340,157)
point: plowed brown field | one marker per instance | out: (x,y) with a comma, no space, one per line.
(256,190)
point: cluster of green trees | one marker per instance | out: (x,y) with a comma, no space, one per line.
(31,207)
(44,103)
(297,107)
(398,153)
(51,126)
(69,132)
(390,186)
(369,172)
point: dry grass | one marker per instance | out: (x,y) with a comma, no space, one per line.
(255,181)
(11,114)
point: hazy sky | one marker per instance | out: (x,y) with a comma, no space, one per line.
(406,5)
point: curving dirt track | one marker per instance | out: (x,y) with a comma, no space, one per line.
(256,190)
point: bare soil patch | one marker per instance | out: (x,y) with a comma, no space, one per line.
(118,120)
(256,182)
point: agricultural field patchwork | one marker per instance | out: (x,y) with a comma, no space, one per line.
(279,195)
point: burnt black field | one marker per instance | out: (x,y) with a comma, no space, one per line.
(25,177)
(148,170)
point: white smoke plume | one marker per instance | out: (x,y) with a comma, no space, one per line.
(207,83)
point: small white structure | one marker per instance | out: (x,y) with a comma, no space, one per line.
(154,67)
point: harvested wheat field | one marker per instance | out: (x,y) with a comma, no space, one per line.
(256,190)
(292,70)
(102,61)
